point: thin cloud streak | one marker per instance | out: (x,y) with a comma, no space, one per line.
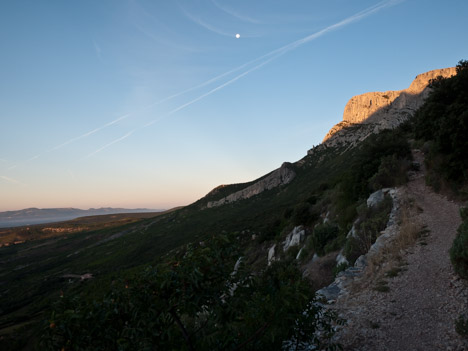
(72,140)
(354,18)
(98,50)
(204,24)
(159,40)
(272,55)
(219,87)
(11,180)
(283,50)
(33,158)
(208,82)
(236,14)
(72,175)
(229,82)
(110,144)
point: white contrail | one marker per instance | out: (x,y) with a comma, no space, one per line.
(282,50)
(109,144)
(236,14)
(90,132)
(354,18)
(11,180)
(72,140)
(204,24)
(98,51)
(208,82)
(219,87)
(272,55)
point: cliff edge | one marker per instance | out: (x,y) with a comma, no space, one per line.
(382,110)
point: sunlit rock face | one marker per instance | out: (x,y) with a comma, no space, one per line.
(376,111)
(281,176)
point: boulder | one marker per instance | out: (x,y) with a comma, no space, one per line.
(271,254)
(375,198)
(341,259)
(294,238)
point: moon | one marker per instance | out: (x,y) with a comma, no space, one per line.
(237,35)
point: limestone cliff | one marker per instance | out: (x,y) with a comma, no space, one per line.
(363,115)
(280,176)
(381,110)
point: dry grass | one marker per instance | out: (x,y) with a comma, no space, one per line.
(388,262)
(410,229)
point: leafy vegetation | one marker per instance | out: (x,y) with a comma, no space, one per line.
(373,166)
(443,123)
(371,221)
(195,301)
(459,249)
(323,183)
(322,235)
(461,325)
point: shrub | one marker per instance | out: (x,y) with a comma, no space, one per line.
(303,214)
(375,161)
(194,301)
(461,326)
(340,268)
(322,235)
(459,249)
(392,172)
(371,221)
(443,119)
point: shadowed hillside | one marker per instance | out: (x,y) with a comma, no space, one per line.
(287,226)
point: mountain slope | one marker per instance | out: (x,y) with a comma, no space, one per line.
(328,190)
(363,116)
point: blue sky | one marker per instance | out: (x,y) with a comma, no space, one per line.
(128,103)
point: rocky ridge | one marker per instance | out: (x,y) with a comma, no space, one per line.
(281,176)
(363,115)
(370,113)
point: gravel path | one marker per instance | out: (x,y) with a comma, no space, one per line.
(420,308)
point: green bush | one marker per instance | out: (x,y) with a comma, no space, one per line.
(303,214)
(322,235)
(443,120)
(461,326)
(379,161)
(392,172)
(371,221)
(459,249)
(194,301)
(340,268)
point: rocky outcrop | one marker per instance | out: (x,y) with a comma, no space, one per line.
(346,277)
(376,197)
(294,238)
(281,176)
(271,254)
(372,112)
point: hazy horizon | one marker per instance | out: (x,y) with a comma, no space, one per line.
(141,104)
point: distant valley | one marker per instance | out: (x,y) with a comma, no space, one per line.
(30,216)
